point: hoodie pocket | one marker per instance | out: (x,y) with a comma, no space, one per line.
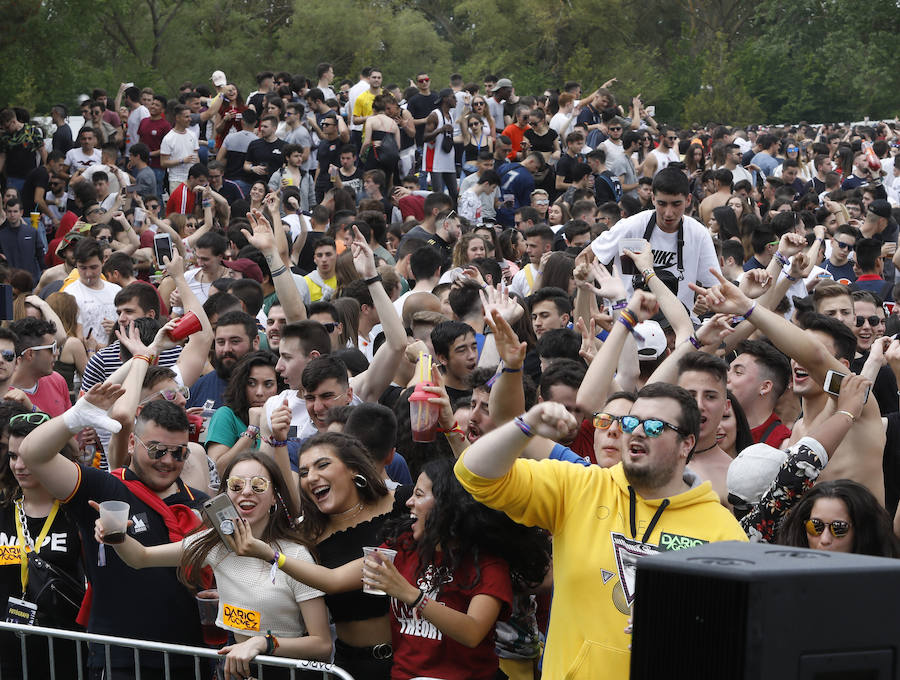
(596,660)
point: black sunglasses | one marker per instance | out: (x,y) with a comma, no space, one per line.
(873,321)
(8,355)
(844,246)
(330,326)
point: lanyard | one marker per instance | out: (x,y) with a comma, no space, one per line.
(25,544)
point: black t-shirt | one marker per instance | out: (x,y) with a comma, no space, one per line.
(39,177)
(353,181)
(456,394)
(542,142)
(420,106)
(261,152)
(603,187)
(229,191)
(566,165)
(885,387)
(62,549)
(307,262)
(147,604)
(329,153)
(62,138)
(890,464)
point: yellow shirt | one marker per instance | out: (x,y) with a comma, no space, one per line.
(587,509)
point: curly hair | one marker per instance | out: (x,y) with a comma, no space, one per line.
(872,530)
(464,527)
(235,396)
(280,526)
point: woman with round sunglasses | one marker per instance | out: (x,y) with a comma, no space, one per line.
(39,527)
(265,609)
(449,583)
(480,110)
(841,516)
(234,428)
(475,138)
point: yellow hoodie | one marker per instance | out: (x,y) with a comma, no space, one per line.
(600,527)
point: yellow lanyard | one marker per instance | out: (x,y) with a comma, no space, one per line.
(24,548)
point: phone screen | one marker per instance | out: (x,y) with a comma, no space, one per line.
(162,247)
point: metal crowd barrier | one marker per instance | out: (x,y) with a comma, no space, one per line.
(260,663)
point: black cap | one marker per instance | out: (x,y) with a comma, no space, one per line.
(880,207)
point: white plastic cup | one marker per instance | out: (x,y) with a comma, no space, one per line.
(384,554)
(114,518)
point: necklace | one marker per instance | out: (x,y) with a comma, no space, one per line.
(356,509)
(708,448)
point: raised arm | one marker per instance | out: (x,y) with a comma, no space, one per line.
(135,554)
(193,356)
(273,203)
(40,449)
(372,382)
(263,239)
(507,393)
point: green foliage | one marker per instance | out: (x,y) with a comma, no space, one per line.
(696,60)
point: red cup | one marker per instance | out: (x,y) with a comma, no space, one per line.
(423,415)
(187,325)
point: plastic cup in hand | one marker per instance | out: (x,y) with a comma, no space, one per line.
(382,554)
(208,604)
(114,518)
(187,325)
(36,217)
(423,415)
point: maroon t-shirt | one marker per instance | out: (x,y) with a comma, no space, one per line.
(420,649)
(151,133)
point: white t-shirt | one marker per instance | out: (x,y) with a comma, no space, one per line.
(302,426)
(663,159)
(178,146)
(113,178)
(134,120)
(76,159)
(558,121)
(698,253)
(94,305)
(495,108)
(612,150)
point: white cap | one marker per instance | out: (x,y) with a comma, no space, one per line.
(654,344)
(218,78)
(753,471)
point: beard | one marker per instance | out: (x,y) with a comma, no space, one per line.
(224,364)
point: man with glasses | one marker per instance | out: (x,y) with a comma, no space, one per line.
(647,504)
(839,264)
(733,158)
(868,325)
(160,510)
(421,104)
(328,154)
(667,152)
(37,352)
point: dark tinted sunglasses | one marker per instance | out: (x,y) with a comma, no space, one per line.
(873,321)
(8,355)
(844,246)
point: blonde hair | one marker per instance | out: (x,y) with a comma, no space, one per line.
(66,308)
(460,250)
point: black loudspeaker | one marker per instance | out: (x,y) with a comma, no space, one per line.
(746,611)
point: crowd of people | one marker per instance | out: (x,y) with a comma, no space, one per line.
(639,337)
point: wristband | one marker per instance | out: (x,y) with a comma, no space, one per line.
(848,414)
(619,304)
(507,369)
(695,342)
(629,316)
(275,443)
(750,311)
(372,280)
(522,425)
(277,562)
(271,643)
(252,432)
(278,272)
(781,258)
(789,277)
(415,603)
(648,274)
(144,357)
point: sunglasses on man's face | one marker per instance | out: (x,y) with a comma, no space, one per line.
(844,246)
(8,355)
(873,321)
(423,80)
(155,450)
(653,427)
(52,347)
(839,528)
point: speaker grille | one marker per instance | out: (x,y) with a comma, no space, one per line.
(677,615)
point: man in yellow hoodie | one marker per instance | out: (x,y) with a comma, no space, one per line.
(602,519)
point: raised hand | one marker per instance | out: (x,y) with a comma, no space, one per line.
(590,345)
(497,298)
(261,237)
(714,330)
(608,286)
(273,202)
(510,349)
(724,297)
(643,305)
(281,421)
(363,258)
(755,282)
(801,265)
(174,265)
(642,260)
(130,338)
(551,420)
(854,392)
(162,341)
(791,244)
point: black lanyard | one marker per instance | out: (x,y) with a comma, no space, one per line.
(680,248)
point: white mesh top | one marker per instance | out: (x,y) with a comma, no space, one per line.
(249,603)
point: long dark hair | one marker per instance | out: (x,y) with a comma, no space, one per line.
(462,527)
(743,436)
(558,271)
(354,455)
(872,530)
(235,396)
(280,526)
(728,224)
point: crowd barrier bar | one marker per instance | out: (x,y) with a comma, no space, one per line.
(260,662)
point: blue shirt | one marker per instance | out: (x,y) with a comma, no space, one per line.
(209,386)
(21,246)
(516,185)
(398,470)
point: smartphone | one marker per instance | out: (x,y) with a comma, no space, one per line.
(833,381)
(239,116)
(131,188)
(138,216)
(162,247)
(222,514)
(651,110)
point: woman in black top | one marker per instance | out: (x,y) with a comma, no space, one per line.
(32,519)
(543,138)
